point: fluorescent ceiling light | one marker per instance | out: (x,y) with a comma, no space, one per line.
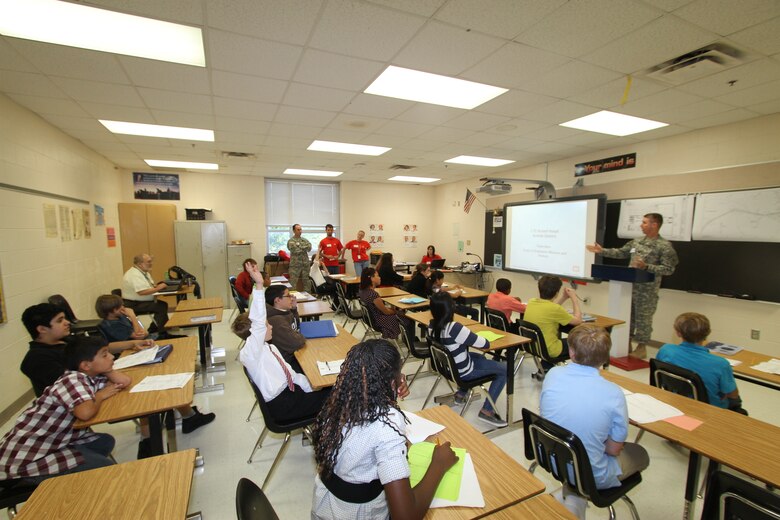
(612,123)
(75,25)
(182,164)
(172,132)
(357,149)
(478,161)
(425,87)
(404,178)
(313,173)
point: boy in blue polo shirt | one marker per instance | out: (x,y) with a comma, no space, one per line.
(716,373)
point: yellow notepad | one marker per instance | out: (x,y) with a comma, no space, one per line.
(420,455)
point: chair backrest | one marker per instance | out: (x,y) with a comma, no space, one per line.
(444,363)
(117,292)
(232,280)
(251,502)
(496,319)
(270,422)
(537,347)
(679,380)
(236,297)
(368,320)
(730,497)
(59,300)
(344,305)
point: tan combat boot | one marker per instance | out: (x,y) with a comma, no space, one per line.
(639,352)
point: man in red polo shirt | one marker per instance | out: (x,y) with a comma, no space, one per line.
(330,249)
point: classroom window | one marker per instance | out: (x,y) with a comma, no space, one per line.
(310,204)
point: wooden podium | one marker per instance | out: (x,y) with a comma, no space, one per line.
(621,280)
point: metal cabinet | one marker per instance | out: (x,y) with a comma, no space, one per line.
(201,249)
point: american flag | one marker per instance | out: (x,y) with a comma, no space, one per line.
(470,198)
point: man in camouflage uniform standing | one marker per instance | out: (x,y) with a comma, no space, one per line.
(299,249)
(656,255)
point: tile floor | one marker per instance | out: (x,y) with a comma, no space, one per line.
(226,444)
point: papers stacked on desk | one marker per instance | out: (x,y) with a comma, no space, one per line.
(144,357)
(278,279)
(643,408)
(458,487)
(722,348)
(337,276)
(328,368)
(412,300)
(202,319)
(166,382)
(588,317)
(771,367)
(420,428)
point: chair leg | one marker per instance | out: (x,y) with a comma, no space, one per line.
(282,450)
(611,509)
(631,507)
(532,467)
(430,394)
(639,436)
(520,362)
(354,326)
(469,397)
(251,411)
(258,444)
(490,399)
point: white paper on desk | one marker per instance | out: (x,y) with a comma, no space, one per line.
(771,367)
(733,362)
(626,391)
(166,382)
(643,408)
(279,279)
(302,296)
(201,319)
(420,428)
(139,358)
(470,492)
(337,276)
(167,292)
(327,368)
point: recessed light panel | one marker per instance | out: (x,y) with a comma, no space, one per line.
(612,123)
(478,161)
(356,149)
(312,173)
(404,178)
(182,164)
(414,85)
(75,25)
(171,132)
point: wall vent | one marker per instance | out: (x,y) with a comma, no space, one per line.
(702,62)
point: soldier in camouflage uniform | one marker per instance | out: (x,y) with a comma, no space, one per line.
(299,249)
(656,255)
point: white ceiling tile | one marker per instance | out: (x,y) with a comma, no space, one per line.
(117,113)
(70,62)
(106,146)
(185,119)
(476,121)
(178,11)
(238,141)
(404,129)
(559,112)
(166,76)
(659,102)
(250,126)
(582,138)
(310,96)
(656,42)
(243,54)
(77,123)
(251,88)
(764,37)
(377,106)
(450,135)
(99,92)
(521,143)
(357,123)
(745,76)
(442,49)
(503,18)
(683,114)
(752,96)
(422,7)
(485,139)
(518,127)
(341,135)
(726,16)
(430,114)
(569,79)
(770,107)
(176,101)
(555,133)
(566,30)
(422,145)
(303,131)
(363,30)
(10,59)
(303,116)
(30,83)
(610,94)
(290,21)
(515,103)
(512,65)
(244,109)
(738,114)
(332,70)
(45,105)
(668,5)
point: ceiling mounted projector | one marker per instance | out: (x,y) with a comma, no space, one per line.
(499,188)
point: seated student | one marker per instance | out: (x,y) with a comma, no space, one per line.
(388,276)
(549,315)
(282,312)
(244,283)
(289,395)
(387,320)
(324,285)
(716,373)
(457,339)
(43,443)
(576,397)
(436,284)
(119,322)
(419,285)
(430,256)
(501,301)
(360,447)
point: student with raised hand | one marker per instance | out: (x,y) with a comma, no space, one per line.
(360,444)
(457,339)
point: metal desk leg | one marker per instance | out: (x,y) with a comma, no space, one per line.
(204,340)
(510,383)
(690,485)
(170,429)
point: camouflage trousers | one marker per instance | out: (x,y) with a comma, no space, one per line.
(644,301)
(299,272)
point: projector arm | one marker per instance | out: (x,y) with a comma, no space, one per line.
(543,190)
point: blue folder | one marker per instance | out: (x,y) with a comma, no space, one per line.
(318,329)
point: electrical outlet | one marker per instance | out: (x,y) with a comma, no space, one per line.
(755,334)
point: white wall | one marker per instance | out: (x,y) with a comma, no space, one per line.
(35,155)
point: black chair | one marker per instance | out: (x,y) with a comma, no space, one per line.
(77,326)
(497,320)
(14,492)
(538,348)
(423,354)
(346,308)
(368,322)
(730,497)
(251,502)
(444,364)
(276,427)
(117,292)
(562,454)
(240,302)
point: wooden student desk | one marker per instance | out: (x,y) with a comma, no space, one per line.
(740,442)
(540,507)
(469,294)
(313,310)
(200,304)
(324,349)
(172,298)
(386,292)
(197,319)
(744,371)
(125,405)
(156,488)
(502,479)
(425,317)
(393,301)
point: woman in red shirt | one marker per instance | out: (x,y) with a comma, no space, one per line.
(430,256)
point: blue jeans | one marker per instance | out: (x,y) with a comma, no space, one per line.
(359,266)
(485,367)
(95,455)
(333,269)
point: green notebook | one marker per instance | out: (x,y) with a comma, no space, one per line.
(489,335)
(420,455)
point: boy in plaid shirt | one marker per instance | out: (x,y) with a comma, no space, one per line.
(43,442)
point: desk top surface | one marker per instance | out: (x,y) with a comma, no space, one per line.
(184,318)
(315,308)
(540,507)
(395,302)
(502,479)
(153,488)
(125,405)
(468,292)
(747,359)
(183,289)
(425,317)
(386,292)
(200,304)
(604,321)
(324,349)
(743,443)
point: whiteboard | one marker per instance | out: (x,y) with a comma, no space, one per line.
(740,216)
(677,212)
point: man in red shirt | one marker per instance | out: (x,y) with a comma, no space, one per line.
(330,249)
(359,250)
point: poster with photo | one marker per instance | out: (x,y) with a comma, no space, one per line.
(376,234)
(100,216)
(111,237)
(50,220)
(156,186)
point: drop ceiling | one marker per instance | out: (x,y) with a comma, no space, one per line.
(280,74)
